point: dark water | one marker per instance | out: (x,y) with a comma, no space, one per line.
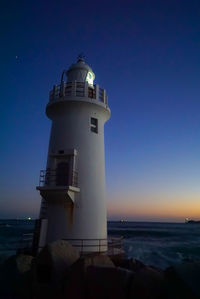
(158,244)
(11,235)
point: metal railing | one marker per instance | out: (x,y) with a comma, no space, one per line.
(78,89)
(115,245)
(112,245)
(53,178)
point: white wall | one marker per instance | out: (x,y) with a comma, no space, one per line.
(71,130)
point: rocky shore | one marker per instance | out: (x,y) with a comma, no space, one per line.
(59,272)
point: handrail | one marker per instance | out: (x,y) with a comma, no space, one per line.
(51,177)
(77,89)
(111,243)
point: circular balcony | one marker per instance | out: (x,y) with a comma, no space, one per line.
(75,89)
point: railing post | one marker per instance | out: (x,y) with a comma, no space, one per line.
(104,96)
(61,93)
(40,178)
(54,92)
(73,89)
(97,92)
(106,100)
(86,89)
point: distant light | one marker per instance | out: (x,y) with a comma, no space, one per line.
(29,218)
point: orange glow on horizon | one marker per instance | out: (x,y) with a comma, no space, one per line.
(168,207)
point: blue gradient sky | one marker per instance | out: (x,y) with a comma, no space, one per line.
(146,55)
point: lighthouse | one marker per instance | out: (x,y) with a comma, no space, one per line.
(72,186)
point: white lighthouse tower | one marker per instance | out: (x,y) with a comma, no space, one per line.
(73,185)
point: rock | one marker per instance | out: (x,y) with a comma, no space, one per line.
(24,263)
(96,260)
(74,286)
(50,267)
(54,259)
(120,262)
(147,284)
(135,265)
(129,264)
(183,280)
(15,277)
(106,282)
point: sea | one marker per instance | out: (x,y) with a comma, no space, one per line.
(153,243)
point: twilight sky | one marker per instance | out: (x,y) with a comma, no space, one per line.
(146,55)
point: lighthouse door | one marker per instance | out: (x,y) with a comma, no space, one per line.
(62,174)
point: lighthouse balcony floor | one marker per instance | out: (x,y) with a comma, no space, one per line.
(58,193)
(58,186)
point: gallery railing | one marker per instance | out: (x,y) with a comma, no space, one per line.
(78,89)
(54,178)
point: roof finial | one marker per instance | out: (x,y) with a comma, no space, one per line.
(81,57)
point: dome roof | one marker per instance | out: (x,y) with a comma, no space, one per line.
(79,71)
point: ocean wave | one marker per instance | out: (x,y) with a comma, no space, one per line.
(157,244)
(153,255)
(130,233)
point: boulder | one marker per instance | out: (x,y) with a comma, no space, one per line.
(135,265)
(148,283)
(50,267)
(129,264)
(183,280)
(15,277)
(96,260)
(74,286)
(107,282)
(54,259)
(24,263)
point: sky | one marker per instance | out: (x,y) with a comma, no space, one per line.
(146,55)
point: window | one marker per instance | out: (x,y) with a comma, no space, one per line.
(94,125)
